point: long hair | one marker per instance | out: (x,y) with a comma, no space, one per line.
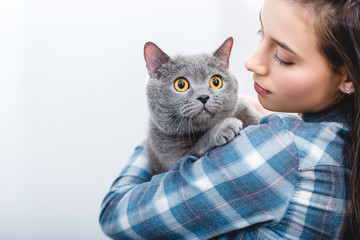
(337,25)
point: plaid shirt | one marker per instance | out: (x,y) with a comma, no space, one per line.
(282,179)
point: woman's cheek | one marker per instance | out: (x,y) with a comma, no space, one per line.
(292,87)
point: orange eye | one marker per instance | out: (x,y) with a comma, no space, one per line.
(181,85)
(215,82)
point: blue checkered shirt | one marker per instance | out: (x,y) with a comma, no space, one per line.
(285,178)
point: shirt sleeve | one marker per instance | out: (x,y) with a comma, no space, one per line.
(244,183)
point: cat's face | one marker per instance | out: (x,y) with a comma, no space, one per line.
(189,94)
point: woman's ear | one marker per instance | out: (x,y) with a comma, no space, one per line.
(347,87)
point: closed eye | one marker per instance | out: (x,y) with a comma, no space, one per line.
(280,61)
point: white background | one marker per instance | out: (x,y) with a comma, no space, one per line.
(72,98)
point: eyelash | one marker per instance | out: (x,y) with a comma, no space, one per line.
(281,62)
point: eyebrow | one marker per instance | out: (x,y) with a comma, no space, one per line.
(284,46)
(280,44)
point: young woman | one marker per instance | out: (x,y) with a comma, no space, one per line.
(286,178)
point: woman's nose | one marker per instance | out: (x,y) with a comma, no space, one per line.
(256,63)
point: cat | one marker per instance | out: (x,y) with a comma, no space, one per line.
(193,103)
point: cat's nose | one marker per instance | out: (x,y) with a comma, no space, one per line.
(203,98)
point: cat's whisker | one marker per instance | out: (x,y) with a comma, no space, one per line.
(180,123)
(193,132)
(188,109)
(190,130)
(182,127)
(174,122)
(171,117)
(177,121)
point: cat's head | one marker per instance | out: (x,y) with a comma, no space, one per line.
(190,94)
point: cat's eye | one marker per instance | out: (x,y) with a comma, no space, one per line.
(181,85)
(215,82)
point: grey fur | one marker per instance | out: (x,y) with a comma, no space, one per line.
(179,125)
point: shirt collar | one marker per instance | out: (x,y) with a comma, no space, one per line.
(332,114)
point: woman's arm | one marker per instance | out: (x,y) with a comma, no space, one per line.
(246,182)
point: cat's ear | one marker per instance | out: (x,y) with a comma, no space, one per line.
(224,51)
(154,57)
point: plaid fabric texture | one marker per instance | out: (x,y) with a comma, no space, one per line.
(282,179)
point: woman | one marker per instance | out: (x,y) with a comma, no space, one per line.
(286,178)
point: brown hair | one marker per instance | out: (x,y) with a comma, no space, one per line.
(337,25)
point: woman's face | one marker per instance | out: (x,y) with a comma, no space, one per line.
(290,74)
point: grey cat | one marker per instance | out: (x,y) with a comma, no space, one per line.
(193,104)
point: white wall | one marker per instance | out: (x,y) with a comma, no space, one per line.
(72,99)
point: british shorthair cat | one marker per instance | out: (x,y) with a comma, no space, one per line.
(194,105)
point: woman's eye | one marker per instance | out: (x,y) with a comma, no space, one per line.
(281,62)
(261,33)
(181,85)
(215,82)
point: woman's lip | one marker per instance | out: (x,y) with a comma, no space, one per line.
(260,90)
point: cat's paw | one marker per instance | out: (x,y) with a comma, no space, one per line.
(227,131)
